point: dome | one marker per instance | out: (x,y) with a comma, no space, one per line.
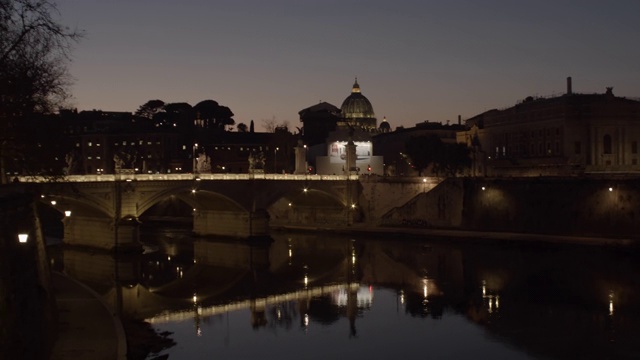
(357,110)
(384,125)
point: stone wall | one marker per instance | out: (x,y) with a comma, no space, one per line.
(546,205)
(582,206)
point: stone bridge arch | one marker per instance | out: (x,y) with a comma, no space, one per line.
(195,197)
(106,209)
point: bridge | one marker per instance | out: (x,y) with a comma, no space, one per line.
(96,207)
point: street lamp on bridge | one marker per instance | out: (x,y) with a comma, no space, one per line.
(275,160)
(195,146)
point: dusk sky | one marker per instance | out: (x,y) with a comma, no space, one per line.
(415,60)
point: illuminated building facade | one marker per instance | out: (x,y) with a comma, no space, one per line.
(564,135)
(328,130)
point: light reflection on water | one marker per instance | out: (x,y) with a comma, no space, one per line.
(304,296)
(385,331)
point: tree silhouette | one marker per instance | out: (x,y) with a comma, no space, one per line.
(429,151)
(423,151)
(242,127)
(150,109)
(34,52)
(213,115)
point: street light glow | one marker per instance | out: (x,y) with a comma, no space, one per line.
(22,238)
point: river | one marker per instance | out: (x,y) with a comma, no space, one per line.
(320,296)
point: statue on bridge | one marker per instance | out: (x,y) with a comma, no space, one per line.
(70,160)
(256,163)
(124,163)
(203,164)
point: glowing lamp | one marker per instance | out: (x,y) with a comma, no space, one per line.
(67,213)
(22,238)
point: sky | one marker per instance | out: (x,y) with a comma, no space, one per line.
(415,60)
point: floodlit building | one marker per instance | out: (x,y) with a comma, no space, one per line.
(340,140)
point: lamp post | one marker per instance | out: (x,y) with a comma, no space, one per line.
(275,160)
(193,156)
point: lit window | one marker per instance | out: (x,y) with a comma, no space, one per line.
(98,157)
(148,142)
(77,144)
(184,147)
(97,144)
(124,143)
(89,157)
(89,143)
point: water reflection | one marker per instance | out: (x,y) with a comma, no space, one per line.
(515,301)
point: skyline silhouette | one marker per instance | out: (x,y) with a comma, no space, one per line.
(415,61)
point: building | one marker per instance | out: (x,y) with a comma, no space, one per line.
(331,132)
(570,134)
(318,121)
(391,145)
(230,152)
(112,141)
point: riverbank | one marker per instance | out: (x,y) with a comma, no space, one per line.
(462,235)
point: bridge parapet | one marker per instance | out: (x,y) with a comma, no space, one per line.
(184,177)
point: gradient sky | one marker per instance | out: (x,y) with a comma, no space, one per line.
(415,60)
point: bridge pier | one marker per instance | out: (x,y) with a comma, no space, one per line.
(231,223)
(102,233)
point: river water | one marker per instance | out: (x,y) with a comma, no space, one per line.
(324,296)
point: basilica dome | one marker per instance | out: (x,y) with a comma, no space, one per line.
(357,111)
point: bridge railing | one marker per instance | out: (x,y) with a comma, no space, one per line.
(183,177)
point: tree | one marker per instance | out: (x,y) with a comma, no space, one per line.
(34,52)
(453,159)
(423,151)
(428,150)
(213,115)
(251,127)
(150,109)
(242,127)
(269,124)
